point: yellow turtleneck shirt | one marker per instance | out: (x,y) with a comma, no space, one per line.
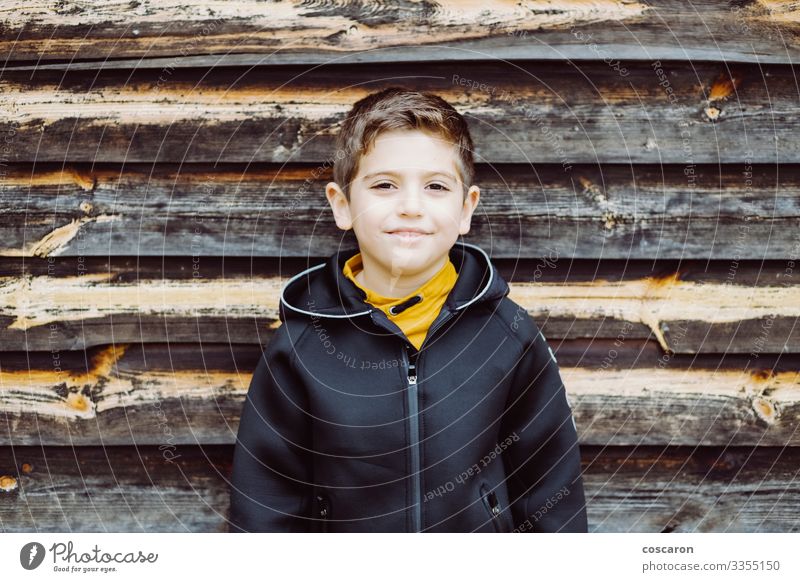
(414,320)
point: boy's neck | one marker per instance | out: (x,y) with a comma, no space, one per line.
(384,283)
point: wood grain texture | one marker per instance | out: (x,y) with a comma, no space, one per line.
(685,311)
(741,211)
(114,489)
(248,32)
(162,168)
(119,402)
(628,489)
(524,112)
(688,489)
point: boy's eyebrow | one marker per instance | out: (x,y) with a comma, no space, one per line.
(390,173)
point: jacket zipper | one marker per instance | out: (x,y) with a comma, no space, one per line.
(413,419)
(492,505)
(413,414)
(323,512)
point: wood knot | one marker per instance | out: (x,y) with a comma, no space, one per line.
(7,483)
(609,220)
(724,87)
(78,401)
(712,113)
(766,409)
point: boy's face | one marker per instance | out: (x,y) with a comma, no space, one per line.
(408,180)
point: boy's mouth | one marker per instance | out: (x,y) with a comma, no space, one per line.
(408,235)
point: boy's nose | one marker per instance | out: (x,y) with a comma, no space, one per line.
(411,203)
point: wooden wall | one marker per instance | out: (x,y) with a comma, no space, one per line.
(162,176)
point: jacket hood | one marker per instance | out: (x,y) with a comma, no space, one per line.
(324,291)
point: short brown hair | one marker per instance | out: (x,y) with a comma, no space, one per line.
(399,108)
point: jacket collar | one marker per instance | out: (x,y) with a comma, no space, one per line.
(324,291)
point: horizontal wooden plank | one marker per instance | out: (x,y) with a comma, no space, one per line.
(120,401)
(247,32)
(727,489)
(590,354)
(705,407)
(611,212)
(531,112)
(114,489)
(641,489)
(737,309)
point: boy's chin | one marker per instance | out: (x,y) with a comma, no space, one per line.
(409,261)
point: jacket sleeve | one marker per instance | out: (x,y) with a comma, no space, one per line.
(271,474)
(543,464)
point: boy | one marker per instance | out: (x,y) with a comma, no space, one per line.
(404,390)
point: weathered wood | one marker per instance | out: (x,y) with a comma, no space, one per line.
(685,311)
(591,354)
(688,489)
(680,113)
(247,32)
(641,489)
(739,211)
(675,148)
(114,489)
(116,404)
(706,407)
(119,402)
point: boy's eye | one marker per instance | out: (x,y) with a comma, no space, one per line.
(435,186)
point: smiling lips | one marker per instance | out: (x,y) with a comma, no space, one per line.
(410,229)
(408,234)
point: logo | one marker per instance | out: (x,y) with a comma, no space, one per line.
(31,555)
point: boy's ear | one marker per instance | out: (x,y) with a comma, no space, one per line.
(470,204)
(339,206)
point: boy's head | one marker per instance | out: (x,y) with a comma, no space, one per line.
(404,160)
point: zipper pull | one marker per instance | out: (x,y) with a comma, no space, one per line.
(494,504)
(412,369)
(323,512)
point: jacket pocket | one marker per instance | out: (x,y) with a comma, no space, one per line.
(492,506)
(322,510)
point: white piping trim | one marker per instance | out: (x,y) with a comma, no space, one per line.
(491,275)
(322,265)
(298,310)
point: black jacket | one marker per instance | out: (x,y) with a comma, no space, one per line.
(348,428)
